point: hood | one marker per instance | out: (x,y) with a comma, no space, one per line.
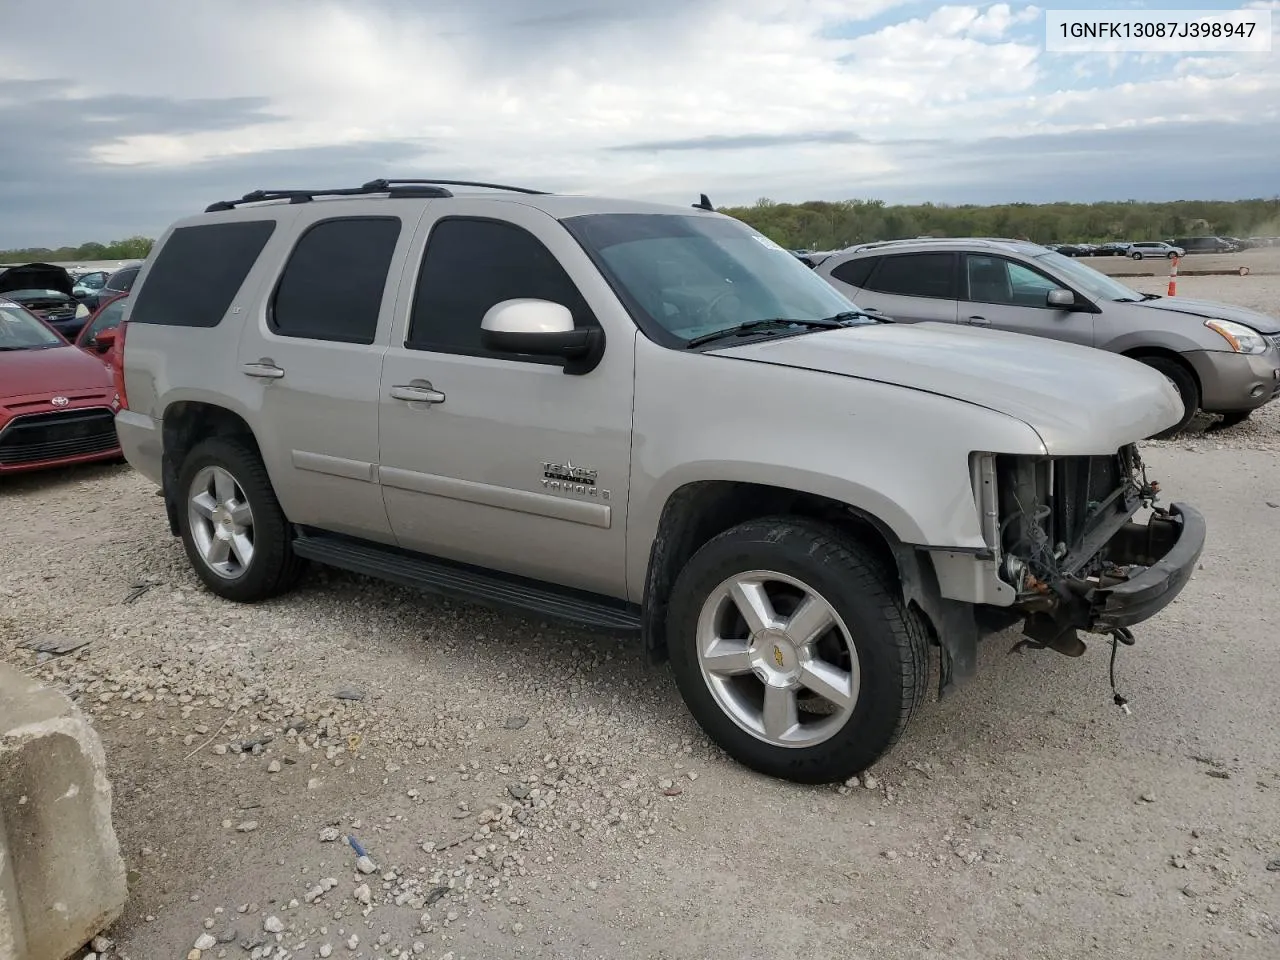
(1081,401)
(36,276)
(52,370)
(1211,310)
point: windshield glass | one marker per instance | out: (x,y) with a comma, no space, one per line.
(19,330)
(693,275)
(1087,280)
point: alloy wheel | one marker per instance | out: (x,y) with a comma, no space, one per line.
(221,522)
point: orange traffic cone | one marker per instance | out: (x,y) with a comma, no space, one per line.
(1173,278)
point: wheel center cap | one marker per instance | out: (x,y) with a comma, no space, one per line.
(775,656)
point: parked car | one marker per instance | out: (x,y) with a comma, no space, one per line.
(1205,245)
(57,405)
(89,284)
(640,418)
(119,282)
(98,335)
(1116,248)
(45,290)
(1154,248)
(1223,359)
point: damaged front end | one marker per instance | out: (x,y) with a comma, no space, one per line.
(1065,539)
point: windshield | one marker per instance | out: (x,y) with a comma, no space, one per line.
(693,275)
(19,330)
(1090,282)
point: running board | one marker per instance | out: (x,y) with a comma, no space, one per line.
(486,587)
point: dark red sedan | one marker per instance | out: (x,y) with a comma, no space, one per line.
(57,402)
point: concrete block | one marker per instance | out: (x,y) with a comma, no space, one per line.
(62,879)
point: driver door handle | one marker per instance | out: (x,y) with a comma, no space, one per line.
(263,369)
(418,392)
(979,321)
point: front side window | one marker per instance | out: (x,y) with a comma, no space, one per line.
(683,277)
(916,275)
(470,265)
(332,285)
(19,330)
(997,280)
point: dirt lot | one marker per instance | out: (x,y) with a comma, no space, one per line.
(527,791)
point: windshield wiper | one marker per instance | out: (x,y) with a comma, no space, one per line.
(833,322)
(1151,296)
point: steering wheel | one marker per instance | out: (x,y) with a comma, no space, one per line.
(708,312)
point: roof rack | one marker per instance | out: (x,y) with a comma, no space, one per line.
(392,187)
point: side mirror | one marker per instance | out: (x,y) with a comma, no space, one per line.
(1062,299)
(103,341)
(541,328)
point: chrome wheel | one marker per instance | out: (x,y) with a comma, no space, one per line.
(778,659)
(221,522)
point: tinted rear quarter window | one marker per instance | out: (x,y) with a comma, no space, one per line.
(123,279)
(198,272)
(332,285)
(855,272)
(470,265)
(916,275)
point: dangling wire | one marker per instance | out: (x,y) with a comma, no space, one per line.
(1118,636)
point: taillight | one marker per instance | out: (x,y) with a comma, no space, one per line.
(117,364)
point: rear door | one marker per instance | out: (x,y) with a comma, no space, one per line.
(1005,294)
(310,359)
(912,287)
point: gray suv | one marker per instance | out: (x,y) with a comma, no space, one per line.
(645,419)
(1223,359)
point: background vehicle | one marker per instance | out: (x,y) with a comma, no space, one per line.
(119,282)
(45,290)
(88,284)
(1205,245)
(1154,248)
(1116,248)
(57,404)
(1223,359)
(639,418)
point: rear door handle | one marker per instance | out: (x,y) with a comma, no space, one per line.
(263,369)
(419,392)
(979,321)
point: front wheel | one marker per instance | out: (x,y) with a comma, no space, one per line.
(1136,256)
(1171,254)
(793,651)
(1187,388)
(234,532)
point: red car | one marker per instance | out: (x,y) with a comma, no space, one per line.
(57,403)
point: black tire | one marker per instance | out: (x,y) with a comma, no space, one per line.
(1136,256)
(274,568)
(1170,254)
(890,642)
(1187,387)
(1232,419)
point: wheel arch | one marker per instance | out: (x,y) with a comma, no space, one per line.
(186,423)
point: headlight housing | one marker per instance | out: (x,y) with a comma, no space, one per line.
(81,311)
(1242,339)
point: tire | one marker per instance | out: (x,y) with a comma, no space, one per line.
(1235,418)
(1187,388)
(873,652)
(1170,254)
(265,568)
(1136,256)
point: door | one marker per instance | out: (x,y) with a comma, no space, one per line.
(504,460)
(913,287)
(1006,295)
(313,355)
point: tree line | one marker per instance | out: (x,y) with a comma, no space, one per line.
(827,225)
(130,248)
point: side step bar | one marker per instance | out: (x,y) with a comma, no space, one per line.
(486,587)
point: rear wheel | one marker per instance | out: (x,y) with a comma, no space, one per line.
(1137,255)
(234,532)
(793,650)
(1186,386)
(1171,254)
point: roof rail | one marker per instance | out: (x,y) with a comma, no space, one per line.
(392,187)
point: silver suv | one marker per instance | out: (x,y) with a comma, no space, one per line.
(1224,360)
(646,419)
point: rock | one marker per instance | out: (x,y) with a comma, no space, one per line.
(273,766)
(362,894)
(365,865)
(1274,866)
(273,924)
(326,950)
(870,782)
(102,944)
(205,942)
(517,928)
(353,941)
(515,723)
(348,693)
(1148,798)
(248,826)
(194,954)
(518,790)
(892,855)
(329,834)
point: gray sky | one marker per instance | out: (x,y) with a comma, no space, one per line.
(168,106)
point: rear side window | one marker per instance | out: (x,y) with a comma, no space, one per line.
(198,272)
(855,272)
(122,279)
(916,275)
(332,286)
(468,266)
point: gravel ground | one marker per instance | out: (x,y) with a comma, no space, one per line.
(523,790)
